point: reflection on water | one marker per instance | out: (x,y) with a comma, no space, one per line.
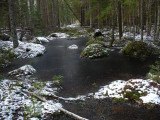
(82,76)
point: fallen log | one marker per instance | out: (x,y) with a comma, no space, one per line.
(61,109)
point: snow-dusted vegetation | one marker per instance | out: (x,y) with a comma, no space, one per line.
(119,81)
(138,90)
(24,50)
(94,51)
(14,99)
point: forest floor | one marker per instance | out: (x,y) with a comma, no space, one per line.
(16,103)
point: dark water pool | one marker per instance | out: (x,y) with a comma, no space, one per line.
(82,76)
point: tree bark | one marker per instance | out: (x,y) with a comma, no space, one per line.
(113,26)
(141,20)
(30,18)
(91,24)
(155,22)
(54,15)
(12,22)
(158,21)
(120,20)
(58,18)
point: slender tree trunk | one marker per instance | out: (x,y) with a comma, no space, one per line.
(21,21)
(155,22)
(113,26)
(58,19)
(158,21)
(12,22)
(30,18)
(141,20)
(120,20)
(134,26)
(90,15)
(35,6)
(54,15)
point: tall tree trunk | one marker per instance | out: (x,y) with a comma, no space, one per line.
(35,6)
(141,20)
(58,19)
(30,18)
(113,26)
(54,15)
(21,21)
(120,20)
(158,21)
(12,22)
(134,25)
(155,21)
(91,24)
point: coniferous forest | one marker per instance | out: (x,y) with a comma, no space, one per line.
(79,59)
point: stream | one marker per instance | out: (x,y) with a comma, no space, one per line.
(83,76)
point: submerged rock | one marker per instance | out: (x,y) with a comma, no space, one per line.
(73,47)
(94,51)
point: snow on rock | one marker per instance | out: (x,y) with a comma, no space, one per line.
(24,50)
(13,100)
(22,72)
(73,46)
(40,40)
(147,91)
(58,35)
(112,90)
(97,30)
(94,51)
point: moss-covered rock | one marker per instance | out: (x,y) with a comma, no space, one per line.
(138,49)
(94,51)
(95,42)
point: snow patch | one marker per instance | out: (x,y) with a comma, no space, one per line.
(40,40)
(13,100)
(24,50)
(57,35)
(73,46)
(117,90)
(22,72)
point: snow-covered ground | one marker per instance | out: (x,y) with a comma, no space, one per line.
(25,49)
(147,91)
(13,100)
